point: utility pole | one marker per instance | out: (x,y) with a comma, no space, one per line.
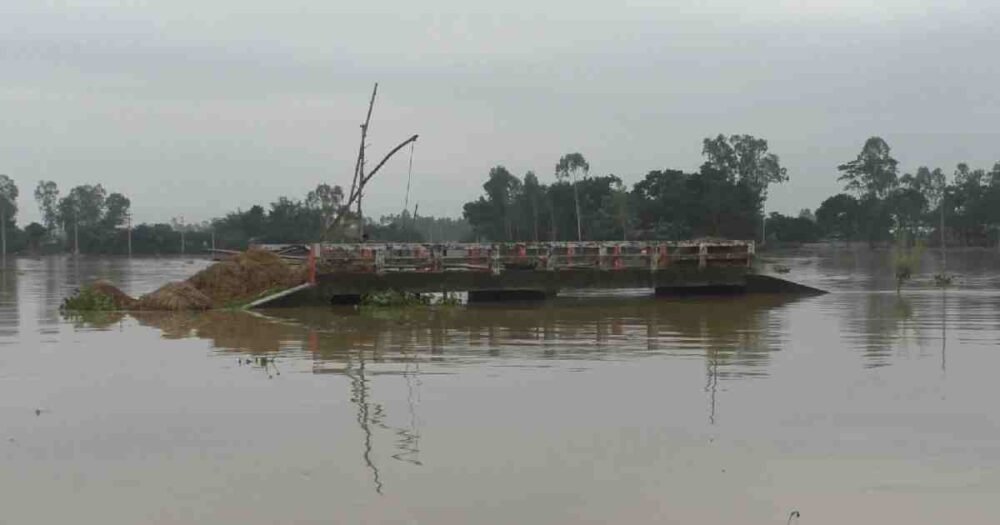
(182,235)
(3,231)
(944,251)
(128,216)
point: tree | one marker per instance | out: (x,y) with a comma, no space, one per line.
(501,190)
(47,197)
(533,192)
(745,160)
(35,233)
(619,203)
(83,207)
(873,172)
(8,209)
(838,216)
(327,201)
(116,211)
(567,167)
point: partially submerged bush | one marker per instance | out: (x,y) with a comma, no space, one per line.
(99,296)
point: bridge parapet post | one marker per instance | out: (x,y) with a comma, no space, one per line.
(496,266)
(702,255)
(379,260)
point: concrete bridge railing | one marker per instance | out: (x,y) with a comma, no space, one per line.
(497,258)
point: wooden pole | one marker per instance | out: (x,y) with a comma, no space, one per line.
(360,166)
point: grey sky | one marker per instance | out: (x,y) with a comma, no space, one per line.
(197,108)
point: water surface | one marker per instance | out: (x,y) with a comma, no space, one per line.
(860,406)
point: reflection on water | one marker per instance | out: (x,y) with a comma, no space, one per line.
(740,332)
(592,407)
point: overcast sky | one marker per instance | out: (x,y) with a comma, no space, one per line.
(195,108)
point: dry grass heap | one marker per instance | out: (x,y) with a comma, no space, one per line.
(174,297)
(246,276)
(228,283)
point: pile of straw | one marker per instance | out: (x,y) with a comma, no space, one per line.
(175,296)
(232,282)
(246,276)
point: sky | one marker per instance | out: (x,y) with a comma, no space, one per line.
(193,109)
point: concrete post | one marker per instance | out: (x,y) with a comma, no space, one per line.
(495,263)
(379,259)
(702,255)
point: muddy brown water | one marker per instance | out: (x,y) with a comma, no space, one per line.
(861,406)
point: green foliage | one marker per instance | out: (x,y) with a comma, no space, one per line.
(873,172)
(8,199)
(47,197)
(722,199)
(87,299)
(782,228)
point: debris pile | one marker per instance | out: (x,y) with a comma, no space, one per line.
(230,283)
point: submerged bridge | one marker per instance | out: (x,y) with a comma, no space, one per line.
(496,271)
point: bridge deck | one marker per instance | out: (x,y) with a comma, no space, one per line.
(354,269)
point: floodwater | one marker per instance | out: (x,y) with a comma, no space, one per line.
(861,406)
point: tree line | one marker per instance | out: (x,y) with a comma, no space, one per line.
(89,219)
(725,197)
